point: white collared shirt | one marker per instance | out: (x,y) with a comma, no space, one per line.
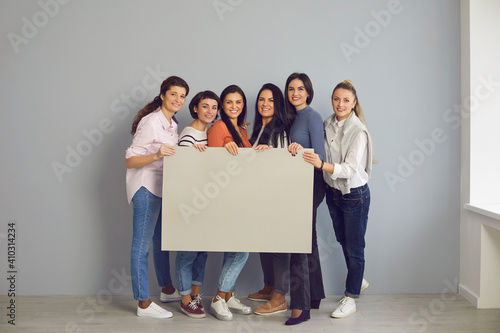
(354,166)
(152,131)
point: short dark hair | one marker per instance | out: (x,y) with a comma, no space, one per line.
(207,94)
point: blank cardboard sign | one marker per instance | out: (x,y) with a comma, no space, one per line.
(252,202)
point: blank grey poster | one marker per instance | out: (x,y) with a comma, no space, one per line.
(252,202)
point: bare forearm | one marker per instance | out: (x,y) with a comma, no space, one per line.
(328,167)
(141,161)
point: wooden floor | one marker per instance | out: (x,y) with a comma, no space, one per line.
(441,313)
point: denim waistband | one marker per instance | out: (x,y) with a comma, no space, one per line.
(362,187)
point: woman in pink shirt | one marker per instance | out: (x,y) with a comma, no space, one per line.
(155,135)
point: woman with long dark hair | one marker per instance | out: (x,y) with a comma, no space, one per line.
(230,133)
(306,132)
(347,168)
(155,135)
(271,129)
(271,124)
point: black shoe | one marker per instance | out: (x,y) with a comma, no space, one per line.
(304,316)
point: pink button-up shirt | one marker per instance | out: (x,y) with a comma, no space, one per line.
(152,131)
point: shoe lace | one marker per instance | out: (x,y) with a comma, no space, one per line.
(193,305)
(197,299)
(343,303)
(155,307)
(223,303)
(236,302)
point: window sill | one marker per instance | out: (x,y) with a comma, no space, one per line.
(490,210)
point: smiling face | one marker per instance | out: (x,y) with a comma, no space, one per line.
(297,94)
(265,105)
(233,105)
(173,100)
(207,110)
(343,102)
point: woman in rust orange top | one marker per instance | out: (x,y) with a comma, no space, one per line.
(229,132)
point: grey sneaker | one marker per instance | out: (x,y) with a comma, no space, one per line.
(346,307)
(166,298)
(220,309)
(236,306)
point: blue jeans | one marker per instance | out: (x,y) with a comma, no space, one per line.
(349,215)
(147,227)
(190,270)
(232,265)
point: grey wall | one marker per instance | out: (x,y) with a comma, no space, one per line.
(74,75)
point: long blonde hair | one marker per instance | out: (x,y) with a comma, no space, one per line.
(358,111)
(347,85)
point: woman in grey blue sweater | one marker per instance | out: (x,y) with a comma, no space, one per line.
(306,132)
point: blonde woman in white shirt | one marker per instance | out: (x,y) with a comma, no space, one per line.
(155,135)
(346,169)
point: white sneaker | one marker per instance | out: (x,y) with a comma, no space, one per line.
(154,311)
(236,306)
(364,285)
(175,296)
(347,307)
(220,309)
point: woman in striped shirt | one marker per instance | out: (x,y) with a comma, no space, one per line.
(190,265)
(203,108)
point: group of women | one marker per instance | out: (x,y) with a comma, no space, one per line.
(342,160)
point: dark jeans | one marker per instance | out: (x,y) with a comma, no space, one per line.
(349,215)
(306,281)
(276,269)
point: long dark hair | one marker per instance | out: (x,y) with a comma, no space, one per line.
(277,130)
(156,103)
(290,109)
(207,94)
(241,118)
